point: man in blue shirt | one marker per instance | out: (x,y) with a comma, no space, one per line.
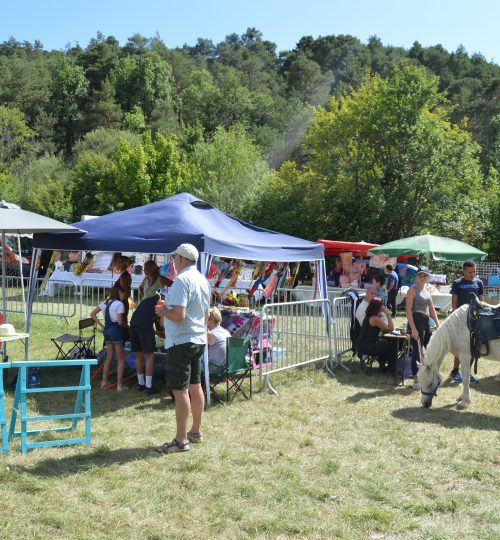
(461,291)
(392,286)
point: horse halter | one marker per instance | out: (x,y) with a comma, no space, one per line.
(432,393)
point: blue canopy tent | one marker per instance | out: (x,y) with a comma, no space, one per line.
(161,226)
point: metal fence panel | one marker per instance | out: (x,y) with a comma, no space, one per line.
(92,292)
(341,316)
(14,300)
(58,300)
(292,334)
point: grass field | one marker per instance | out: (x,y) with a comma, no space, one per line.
(344,457)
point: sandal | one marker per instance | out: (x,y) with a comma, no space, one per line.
(194,437)
(172,447)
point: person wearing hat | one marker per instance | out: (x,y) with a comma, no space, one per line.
(185,316)
(419,307)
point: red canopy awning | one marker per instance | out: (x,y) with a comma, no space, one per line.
(335,247)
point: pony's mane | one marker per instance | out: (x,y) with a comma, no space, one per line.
(440,341)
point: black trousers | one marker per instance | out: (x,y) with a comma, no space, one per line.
(424,332)
(385,351)
(391,300)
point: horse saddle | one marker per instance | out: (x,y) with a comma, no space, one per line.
(483,322)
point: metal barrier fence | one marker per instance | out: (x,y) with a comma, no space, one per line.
(92,292)
(292,334)
(340,321)
(58,300)
(55,299)
(14,293)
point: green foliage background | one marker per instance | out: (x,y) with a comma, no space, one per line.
(334,139)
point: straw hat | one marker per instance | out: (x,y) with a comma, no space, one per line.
(7,330)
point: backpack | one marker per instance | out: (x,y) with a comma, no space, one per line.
(354,328)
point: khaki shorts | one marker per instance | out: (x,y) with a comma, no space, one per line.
(183,365)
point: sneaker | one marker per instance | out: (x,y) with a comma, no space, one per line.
(194,437)
(141,387)
(172,447)
(455,375)
(152,391)
(121,388)
(473,379)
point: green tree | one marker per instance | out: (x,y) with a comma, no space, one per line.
(105,141)
(68,90)
(15,136)
(227,169)
(44,187)
(388,163)
(283,201)
(91,176)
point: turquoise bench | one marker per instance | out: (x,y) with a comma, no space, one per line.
(3,420)
(20,404)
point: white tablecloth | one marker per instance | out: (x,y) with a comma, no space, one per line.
(306,292)
(441,301)
(87,279)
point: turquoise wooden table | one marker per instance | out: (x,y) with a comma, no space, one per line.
(82,390)
(3,421)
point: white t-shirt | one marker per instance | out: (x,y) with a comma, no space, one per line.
(115,307)
(361,311)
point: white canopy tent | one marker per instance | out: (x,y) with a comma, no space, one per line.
(17,222)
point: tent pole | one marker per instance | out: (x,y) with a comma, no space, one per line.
(23,299)
(204,266)
(4,298)
(31,295)
(323,292)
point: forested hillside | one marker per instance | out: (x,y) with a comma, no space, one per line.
(333,139)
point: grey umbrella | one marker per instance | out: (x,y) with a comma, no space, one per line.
(14,220)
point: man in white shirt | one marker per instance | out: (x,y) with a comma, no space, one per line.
(361,310)
(185,318)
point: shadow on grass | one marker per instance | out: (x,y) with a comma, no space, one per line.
(103,402)
(487,385)
(448,417)
(75,464)
(360,396)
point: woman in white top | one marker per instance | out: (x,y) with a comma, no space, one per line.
(114,327)
(216,338)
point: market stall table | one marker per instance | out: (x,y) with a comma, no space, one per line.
(89,279)
(441,301)
(402,347)
(306,292)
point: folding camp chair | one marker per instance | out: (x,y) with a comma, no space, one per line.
(71,346)
(236,370)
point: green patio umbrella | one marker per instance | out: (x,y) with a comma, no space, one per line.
(438,247)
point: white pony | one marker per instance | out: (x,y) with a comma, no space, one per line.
(452,336)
